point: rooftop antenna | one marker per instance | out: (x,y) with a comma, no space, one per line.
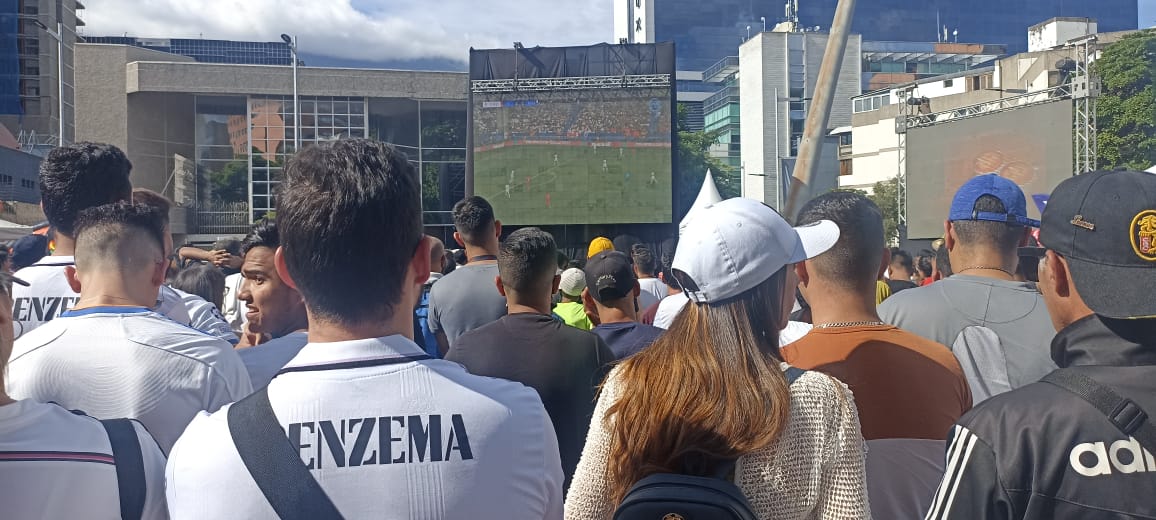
(937,26)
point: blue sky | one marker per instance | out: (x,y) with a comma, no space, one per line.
(424,33)
(362,31)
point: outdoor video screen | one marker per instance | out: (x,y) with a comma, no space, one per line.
(574,157)
(1031,146)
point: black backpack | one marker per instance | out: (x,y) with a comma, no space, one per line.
(670,496)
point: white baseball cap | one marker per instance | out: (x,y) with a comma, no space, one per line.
(573,281)
(732,246)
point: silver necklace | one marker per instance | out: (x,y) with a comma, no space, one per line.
(849,324)
(985,268)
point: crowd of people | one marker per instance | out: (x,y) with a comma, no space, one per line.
(339,363)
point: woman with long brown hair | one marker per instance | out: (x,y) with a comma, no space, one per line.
(712,391)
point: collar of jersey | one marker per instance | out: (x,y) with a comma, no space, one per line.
(318,355)
(104,310)
(55,261)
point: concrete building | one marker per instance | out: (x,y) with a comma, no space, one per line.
(214,137)
(776,77)
(34,74)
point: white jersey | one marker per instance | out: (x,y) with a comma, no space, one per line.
(232,307)
(48,295)
(205,317)
(387,432)
(265,360)
(653,291)
(127,362)
(57,464)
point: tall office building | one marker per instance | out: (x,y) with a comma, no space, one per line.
(31,83)
(706,32)
(209,51)
(777,74)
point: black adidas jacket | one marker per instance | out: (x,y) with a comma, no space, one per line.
(1040,452)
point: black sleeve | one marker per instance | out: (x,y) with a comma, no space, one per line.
(971,486)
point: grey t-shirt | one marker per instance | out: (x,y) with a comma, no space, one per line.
(999,330)
(465,300)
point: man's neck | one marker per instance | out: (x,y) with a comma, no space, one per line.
(65,246)
(323,330)
(301,325)
(841,306)
(473,252)
(116,293)
(616,315)
(984,264)
(518,304)
(643,276)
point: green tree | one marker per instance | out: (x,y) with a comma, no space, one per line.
(1126,111)
(885,194)
(694,160)
(231,183)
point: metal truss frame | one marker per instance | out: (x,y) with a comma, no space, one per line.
(576,83)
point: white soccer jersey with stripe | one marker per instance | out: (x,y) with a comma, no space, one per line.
(127,362)
(57,464)
(205,317)
(388,433)
(48,295)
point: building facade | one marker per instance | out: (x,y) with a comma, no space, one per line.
(209,51)
(706,32)
(36,73)
(777,75)
(215,137)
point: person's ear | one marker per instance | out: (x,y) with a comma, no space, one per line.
(590,307)
(948,236)
(1058,279)
(73,279)
(498,229)
(883,265)
(420,261)
(458,239)
(802,273)
(555,284)
(500,286)
(637,289)
(282,269)
(160,269)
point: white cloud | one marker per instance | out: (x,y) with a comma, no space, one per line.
(376,30)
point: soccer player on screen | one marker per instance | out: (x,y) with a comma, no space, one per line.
(507,191)
(621,152)
(555,159)
(605,166)
(511,176)
(652,180)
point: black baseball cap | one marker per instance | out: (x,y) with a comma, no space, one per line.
(1104,224)
(610,276)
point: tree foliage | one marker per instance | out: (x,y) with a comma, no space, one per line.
(694,160)
(1126,111)
(885,194)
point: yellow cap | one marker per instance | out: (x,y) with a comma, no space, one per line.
(599,245)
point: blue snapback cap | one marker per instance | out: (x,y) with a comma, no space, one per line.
(1012,197)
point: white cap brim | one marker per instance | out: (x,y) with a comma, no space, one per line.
(815,239)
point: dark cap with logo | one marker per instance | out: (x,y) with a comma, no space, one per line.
(1104,225)
(610,276)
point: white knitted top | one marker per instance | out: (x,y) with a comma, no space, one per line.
(814,471)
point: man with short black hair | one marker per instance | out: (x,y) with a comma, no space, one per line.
(900,270)
(74,178)
(466,299)
(645,265)
(942,264)
(997,327)
(564,364)
(470,447)
(612,294)
(1079,443)
(882,364)
(275,308)
(111,356)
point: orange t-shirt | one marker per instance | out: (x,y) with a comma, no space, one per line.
(905,386)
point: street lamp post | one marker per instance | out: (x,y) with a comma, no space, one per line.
(764,20)
(58,35)
(292,42)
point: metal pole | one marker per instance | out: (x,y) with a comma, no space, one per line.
(821,100)
(296,103)
(60,82)
(778,159)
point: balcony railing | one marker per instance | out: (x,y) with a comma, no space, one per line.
(222,218)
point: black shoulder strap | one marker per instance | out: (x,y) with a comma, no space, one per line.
(130,477)
(1122,412)
(793,374)
(273,463)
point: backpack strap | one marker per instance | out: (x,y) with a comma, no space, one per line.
(274,464)
(1123,413)
(130,473)
(793,374)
